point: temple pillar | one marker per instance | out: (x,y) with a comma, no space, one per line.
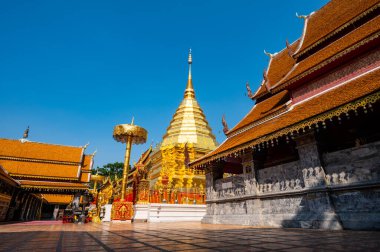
(317,209)
(310,161)
(28,215)
(213,172)
(13,204)
(28,210)
(39,209)
(34,209)
(250,166)
(25,205)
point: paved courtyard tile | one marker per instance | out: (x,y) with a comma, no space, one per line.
(186,236)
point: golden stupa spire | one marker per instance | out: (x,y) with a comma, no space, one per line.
(189,92)
(189,124)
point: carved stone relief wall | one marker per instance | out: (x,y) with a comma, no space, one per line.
(295,194)
(354,165)
(280,178)
(358,209)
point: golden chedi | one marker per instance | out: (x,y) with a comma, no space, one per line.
(187,138)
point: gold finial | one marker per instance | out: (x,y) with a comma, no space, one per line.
(190,59)
(133,119)
(189,92)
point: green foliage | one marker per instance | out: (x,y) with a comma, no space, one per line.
(110,169)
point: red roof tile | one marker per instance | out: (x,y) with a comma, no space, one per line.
(263,109)
(326,54)
(344,94)
(331,17)
(281,64)
(21,168)
(33,150)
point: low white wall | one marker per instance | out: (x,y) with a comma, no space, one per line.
(107,213)
(157,212)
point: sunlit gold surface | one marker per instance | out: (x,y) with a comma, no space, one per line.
(188,127)
(128,133)
(189,124)
(122,131)
(97,177)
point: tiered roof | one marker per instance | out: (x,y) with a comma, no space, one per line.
(331,19)
(363,35)
(46,166)
(302,115)
(338,32)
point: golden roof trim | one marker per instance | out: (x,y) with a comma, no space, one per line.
(41,176)
(339,29)
(326,62)
(54,187)
(307,123)
(39,160)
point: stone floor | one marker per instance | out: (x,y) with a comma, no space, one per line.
(55,236)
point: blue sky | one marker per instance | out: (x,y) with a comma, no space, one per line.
(74,69)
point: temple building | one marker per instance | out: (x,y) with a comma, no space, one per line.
(307,153)
(187,138)
(39,179)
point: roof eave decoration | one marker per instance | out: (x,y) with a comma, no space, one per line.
(42,177)
(310,123)
(298,53)
(306,18)
(280,86)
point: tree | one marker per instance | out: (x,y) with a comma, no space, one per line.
(111,169)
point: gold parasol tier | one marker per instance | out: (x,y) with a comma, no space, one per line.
(97,177)
(129,134)
(122,132)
